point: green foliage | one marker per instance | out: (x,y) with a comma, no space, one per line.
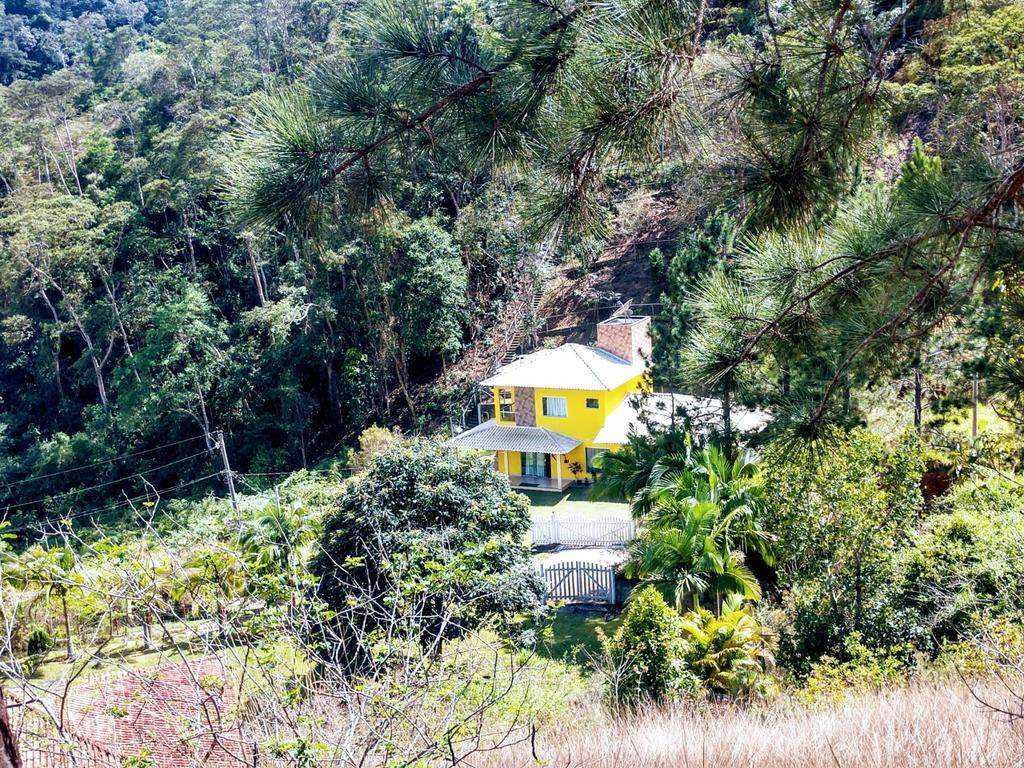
(38,642)
(697,252)
(433,533)
(573,88)
(730,653)
(840,513)
(964,565)
(700,513)
(863,670)
(645,656)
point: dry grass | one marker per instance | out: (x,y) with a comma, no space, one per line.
(927,725)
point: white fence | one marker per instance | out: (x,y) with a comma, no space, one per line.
(579,582)
(582,531)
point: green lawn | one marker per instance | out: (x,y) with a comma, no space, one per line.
(575,500)
(574,635)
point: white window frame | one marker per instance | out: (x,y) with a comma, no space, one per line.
(550,413)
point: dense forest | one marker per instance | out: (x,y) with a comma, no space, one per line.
(222,216)
(139,312)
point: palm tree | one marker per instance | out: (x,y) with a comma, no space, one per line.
(735,488)
(627,473)
(275,540)
(700,514)
(693,556)
(731,651)
(54,571)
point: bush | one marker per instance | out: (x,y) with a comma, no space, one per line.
(645,658)
(373,441)
(731,653)
(840,515)
(864,670)
(39,641)
(424,545)
(966,563)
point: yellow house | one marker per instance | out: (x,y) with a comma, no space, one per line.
(556,409)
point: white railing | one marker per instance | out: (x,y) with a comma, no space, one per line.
(582,531)
(579,582)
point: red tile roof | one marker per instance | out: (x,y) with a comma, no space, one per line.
(178,715)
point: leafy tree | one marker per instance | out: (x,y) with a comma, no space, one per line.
(840,515)
(427,531)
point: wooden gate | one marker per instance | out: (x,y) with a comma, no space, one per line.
(582,531)
(579,582)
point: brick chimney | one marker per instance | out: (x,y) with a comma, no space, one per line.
(626,337)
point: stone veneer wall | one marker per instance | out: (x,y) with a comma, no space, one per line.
(526,409)
(630,340)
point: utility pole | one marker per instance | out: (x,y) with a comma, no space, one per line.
(228,477)
(918,398)
(974,407)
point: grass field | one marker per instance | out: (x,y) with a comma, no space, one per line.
(576,501)
(933,725)
(574,635)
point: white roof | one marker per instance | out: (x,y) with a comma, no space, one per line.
(569,366)
(491,436)
(704,413)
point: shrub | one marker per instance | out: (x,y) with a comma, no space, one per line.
(965,564)
(730,653)
(864,670)
(39,641)
(373,441)
(645,658)
(425,544)
(840,515)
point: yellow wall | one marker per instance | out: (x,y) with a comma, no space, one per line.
(581,422)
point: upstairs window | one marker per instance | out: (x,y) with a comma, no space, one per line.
(555,407)
(593,402)
(506,405)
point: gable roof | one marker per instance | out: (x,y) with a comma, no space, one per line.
(491,436)
(569,366)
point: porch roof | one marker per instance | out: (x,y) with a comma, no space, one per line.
(491,436)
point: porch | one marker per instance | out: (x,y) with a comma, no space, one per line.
(532,483)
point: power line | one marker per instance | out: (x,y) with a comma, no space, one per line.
(126,502)
(142,452)
(126,478)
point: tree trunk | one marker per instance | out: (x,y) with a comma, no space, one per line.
(9,757)
(147,633)
(727,412)
(67,624)
(256,276)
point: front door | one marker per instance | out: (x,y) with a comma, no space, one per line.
(536,465)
